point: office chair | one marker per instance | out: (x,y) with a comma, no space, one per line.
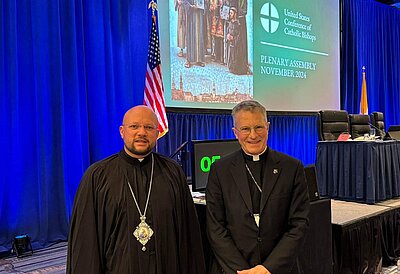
(331,123)
(378,122)
(359,125)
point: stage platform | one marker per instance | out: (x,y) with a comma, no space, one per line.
(363,237)
(345,213)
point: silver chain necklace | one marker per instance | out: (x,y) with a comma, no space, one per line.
(254,180)
(143,231)
(256,216)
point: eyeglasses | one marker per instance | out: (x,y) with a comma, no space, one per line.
(148,128)
(247,130)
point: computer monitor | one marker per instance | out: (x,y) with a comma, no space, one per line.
(204,153)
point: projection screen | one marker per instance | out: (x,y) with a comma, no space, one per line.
(283,53)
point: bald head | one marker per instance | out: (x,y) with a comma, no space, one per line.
(142,111)
(139,130)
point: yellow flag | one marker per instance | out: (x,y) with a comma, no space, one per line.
(364,101)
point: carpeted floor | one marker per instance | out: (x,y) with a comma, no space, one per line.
(48,260)
(52,260)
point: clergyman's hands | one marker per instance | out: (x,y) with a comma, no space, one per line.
(258,269)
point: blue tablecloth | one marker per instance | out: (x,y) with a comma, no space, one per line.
(359,171)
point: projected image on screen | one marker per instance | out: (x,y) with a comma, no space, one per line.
(296,55)
(211,51)
(283,53)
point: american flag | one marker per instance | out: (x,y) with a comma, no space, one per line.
(154,89)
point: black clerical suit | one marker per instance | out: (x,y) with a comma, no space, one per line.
(105,216)
(236,241)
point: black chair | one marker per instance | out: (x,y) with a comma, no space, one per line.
(359,125)
(331,123)
(378,122)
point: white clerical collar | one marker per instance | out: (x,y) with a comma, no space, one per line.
(141,159)
(257,156)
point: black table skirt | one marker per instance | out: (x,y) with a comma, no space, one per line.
(359,171)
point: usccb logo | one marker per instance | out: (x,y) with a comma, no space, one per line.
(269,17)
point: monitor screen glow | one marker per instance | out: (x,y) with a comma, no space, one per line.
(204,153)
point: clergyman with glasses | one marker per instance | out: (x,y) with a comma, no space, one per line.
(133,211)
(257,202)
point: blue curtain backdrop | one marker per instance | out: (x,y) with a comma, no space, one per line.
(70,69)
(371,38)
(294,135)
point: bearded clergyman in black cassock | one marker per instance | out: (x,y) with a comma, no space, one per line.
(133,211)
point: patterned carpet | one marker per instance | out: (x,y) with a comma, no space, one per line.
(53,259)
(48,260)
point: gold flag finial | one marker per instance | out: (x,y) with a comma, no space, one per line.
(153,6)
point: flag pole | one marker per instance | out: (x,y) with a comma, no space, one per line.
(154,88)
(154,7)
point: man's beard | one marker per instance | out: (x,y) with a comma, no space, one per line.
(137,152)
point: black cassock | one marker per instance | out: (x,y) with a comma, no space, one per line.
(105,216)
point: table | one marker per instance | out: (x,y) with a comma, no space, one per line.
(363,171)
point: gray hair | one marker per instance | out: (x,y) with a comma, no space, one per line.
(251,106)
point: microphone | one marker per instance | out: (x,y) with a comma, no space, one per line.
(382,133)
